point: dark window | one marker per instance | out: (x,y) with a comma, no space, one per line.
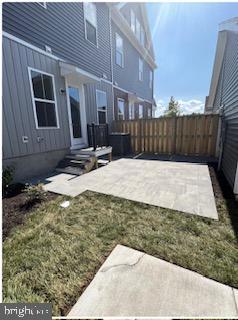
(46,114)
(44,100)
(101,99)
(121,109)
(37,85)
(91,33)
(90,14)
(42,86)
(48,87)
(119,50)
(102,119)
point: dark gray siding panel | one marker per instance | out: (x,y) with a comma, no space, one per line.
(128,77)
(229,99)
(90,99)
(61,26)
(18,116)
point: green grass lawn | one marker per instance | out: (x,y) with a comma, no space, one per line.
(56,252)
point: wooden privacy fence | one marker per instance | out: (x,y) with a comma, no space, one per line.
(184,135)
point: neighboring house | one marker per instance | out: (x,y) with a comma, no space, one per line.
(66,65)
(223,98)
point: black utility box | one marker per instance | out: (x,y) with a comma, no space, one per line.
(120,142)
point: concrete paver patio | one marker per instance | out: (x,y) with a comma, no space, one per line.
(175,185)
(132,284)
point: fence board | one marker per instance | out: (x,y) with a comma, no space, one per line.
(185,135)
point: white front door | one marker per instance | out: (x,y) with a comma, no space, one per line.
(77,116)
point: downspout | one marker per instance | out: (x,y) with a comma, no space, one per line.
(111,52)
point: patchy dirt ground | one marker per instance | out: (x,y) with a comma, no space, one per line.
(15,208)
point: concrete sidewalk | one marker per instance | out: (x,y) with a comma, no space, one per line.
(132,284)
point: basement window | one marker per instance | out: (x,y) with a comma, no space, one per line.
(90,19)
(43,99)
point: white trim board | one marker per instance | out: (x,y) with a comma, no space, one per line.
(31,46)
(43,100)
(126,91)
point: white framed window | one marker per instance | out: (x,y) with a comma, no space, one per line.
(90,21)
(142,36)
(138,29)
(101,100)
(133,21)
(121,108)
(119,51)
(131,111)
(140,69)
(140,111)
(42,4)
(151,79)
(43,99)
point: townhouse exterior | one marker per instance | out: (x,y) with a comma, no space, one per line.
(66,65)
(223,98)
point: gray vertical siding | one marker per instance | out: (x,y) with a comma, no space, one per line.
(128,77)
(61,26)
(227,95)
(90,100)
(18,116)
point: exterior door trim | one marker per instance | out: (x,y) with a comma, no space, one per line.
(84,142)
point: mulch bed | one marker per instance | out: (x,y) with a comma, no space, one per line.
(15,208)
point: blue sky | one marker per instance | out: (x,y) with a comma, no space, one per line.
(184,37)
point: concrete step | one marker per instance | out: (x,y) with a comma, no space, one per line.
(78,156)
(72,163)
(76,165)
(71,170)
(100,151)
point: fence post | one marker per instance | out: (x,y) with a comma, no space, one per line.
(107,135)
(141,136)
(175,135)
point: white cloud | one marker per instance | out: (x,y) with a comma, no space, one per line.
(186,106)
(190,106)
(161,107)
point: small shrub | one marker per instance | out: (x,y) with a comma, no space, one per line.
(35,193)
(7,177)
